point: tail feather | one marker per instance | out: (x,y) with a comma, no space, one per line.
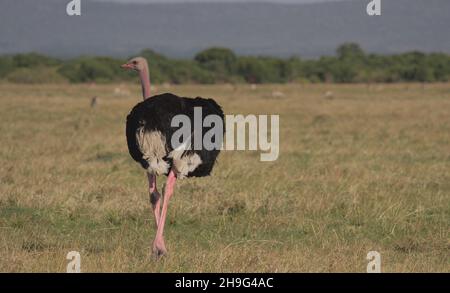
(133,145)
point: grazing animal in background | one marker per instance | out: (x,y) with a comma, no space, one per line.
(149,133)
(277,94)
(329,95)
(94,102)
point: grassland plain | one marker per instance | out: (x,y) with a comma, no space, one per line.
(361,168)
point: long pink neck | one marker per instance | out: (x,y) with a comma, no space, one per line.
(145,82)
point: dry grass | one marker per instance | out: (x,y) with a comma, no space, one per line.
(360,169)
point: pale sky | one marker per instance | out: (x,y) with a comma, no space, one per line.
(193,1)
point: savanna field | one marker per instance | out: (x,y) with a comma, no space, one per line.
(360,168)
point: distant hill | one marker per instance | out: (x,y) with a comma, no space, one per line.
(181,30)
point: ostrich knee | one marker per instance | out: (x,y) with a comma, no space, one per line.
(155,197)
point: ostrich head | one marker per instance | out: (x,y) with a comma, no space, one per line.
(138,64)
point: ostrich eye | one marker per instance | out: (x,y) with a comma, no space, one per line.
(135,62)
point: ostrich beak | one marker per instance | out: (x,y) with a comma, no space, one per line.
(126,66)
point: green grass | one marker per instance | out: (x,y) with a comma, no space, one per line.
(366,170)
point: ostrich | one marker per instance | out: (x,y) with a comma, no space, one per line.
(149,133)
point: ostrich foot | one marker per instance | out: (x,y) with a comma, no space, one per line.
(159,248)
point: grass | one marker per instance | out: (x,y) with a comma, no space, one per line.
(360,169)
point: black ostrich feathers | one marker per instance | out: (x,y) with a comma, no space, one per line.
(149,133)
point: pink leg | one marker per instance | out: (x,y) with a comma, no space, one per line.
(154,196)
(159,247)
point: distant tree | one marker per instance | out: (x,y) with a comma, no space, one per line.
(254,70)
(293,69)
(351,60)
(220,61)
(35,75)
(6,65)
(34,60)
(440,65)
(350,51)
(351,64)
(88,69)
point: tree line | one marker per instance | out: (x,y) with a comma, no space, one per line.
(221,65)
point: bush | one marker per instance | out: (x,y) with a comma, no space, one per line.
(35,76)
(351,64)
(6,65)
(221,61)
(94,69)
(32,60)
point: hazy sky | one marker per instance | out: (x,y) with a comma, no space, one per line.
(178,1)
(181,31)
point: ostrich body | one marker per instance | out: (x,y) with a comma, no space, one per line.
(149,133)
